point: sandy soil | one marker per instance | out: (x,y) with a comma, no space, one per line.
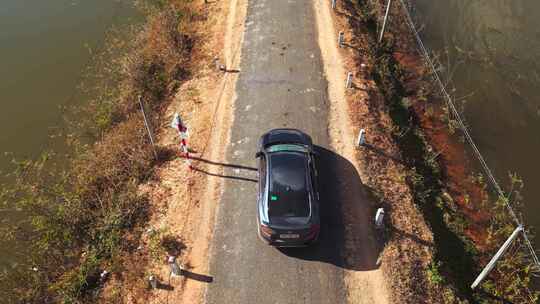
(184,199)
(408,249)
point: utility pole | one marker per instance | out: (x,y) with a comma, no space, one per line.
(148,129)
(385,19)
(496,257)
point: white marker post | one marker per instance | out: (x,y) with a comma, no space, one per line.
(178,125)
(175,269)
(379,217)
(361,137)
(341,38)
(348,84)
(103,275)
(334,4)
(496,257)
(153,282)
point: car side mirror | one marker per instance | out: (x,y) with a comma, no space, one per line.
(258,154)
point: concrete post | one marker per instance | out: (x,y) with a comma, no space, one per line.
(361,137)
(334,4)
(496,257)
(175,269)
(103,275)
(153,281)
(348,85)
(341,38)
(379,217)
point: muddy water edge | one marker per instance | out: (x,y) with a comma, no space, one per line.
(46,48)
(490,51)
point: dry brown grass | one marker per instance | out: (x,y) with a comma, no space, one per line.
(87,215)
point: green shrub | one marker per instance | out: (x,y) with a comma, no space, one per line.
(434,275)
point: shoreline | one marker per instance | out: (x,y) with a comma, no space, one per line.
(460,218)
(89,217)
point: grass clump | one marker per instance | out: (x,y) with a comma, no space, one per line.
(434,274)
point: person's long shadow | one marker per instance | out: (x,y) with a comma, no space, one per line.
(343,203)
(241,178)
(226,165)
(223,164)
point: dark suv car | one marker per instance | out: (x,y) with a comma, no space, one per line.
(288,197)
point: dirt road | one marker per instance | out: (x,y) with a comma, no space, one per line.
(281,84)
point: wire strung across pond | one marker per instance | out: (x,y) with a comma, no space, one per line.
(462,126)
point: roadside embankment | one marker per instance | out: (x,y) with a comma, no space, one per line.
(185,200)
(88,216)
(442,224)
(399,276)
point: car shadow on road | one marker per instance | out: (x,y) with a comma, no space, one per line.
(347,234)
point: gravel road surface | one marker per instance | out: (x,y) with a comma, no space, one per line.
(281,84)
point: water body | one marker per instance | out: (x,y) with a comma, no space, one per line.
(44,48)
(494,46)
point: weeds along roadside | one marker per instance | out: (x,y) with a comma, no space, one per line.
(458,258)
(82,217)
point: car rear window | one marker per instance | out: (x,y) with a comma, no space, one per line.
(288,191)
(286,147)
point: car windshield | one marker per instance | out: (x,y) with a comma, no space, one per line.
(287,147)
(288,188)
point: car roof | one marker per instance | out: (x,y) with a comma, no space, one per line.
(288,190)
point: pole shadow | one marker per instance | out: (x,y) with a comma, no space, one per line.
(494,297)
(197,276)
(382,153)
(350,46)
(402,234)
(164,286)
(344,203)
